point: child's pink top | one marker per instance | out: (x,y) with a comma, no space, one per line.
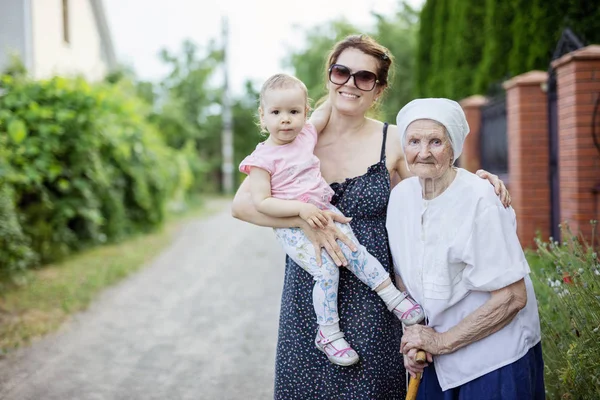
(295,170)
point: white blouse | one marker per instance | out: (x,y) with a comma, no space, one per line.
(450,252)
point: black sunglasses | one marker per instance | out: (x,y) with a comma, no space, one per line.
(363,80)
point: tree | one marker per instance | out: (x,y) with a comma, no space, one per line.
(125,75)
(467,47)
(497,44)
(246,133)
(189,110)
(583,17)
(398,33)
(423,45)
(436,79)
(452,46)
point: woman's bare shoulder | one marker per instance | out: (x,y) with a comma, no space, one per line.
(393,148)
(393,133)
(395,155)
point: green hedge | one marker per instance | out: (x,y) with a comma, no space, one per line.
(80,166)
(498,42)
(469,46)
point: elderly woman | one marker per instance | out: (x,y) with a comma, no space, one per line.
(456,251)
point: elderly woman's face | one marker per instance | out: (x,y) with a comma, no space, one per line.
(427,149)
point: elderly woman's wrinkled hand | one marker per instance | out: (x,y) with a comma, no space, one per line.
(420,337)
(327,238)
(498,184)
(412,366)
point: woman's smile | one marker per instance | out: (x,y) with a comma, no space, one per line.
(349,95)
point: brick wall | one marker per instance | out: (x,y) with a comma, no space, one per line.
(470,157)
(578,88)
(528,155)
(578,79)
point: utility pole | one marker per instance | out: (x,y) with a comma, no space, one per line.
(226,134)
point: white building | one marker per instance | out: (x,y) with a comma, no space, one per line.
(64,37)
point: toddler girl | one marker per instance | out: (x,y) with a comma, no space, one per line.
(285,181)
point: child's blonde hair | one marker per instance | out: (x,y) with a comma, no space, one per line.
(280,81)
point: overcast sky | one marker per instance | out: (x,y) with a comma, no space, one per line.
(261,31)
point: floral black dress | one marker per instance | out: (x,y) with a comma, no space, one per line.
(301,370)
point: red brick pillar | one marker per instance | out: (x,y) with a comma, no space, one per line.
(528,154)
(578,80)
(470,158)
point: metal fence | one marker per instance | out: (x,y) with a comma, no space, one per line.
(493,141)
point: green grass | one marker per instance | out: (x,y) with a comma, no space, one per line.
(39,301)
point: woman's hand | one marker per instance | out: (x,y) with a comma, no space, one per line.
(412,366)
(499,186)
(326,238)
(420,337)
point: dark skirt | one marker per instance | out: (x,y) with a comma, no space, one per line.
(521,380)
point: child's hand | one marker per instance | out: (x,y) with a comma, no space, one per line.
(313,216)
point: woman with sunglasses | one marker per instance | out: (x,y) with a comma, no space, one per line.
(285,181)
(359,157)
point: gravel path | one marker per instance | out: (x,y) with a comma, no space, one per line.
(200,322)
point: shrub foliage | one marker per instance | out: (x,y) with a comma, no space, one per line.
(567,283)
(79,166)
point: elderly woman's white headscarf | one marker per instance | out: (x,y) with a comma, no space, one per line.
(445,111)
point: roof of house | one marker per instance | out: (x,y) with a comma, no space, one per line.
(104,30)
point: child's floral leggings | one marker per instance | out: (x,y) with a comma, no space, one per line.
(360,263)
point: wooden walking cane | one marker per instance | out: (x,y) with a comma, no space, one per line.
(413,385)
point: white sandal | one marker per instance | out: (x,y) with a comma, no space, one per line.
(344,357)
(412,316)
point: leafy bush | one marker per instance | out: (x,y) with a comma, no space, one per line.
(81,166)
(16,253)
(567,283)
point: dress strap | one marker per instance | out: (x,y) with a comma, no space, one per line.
(385,126)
